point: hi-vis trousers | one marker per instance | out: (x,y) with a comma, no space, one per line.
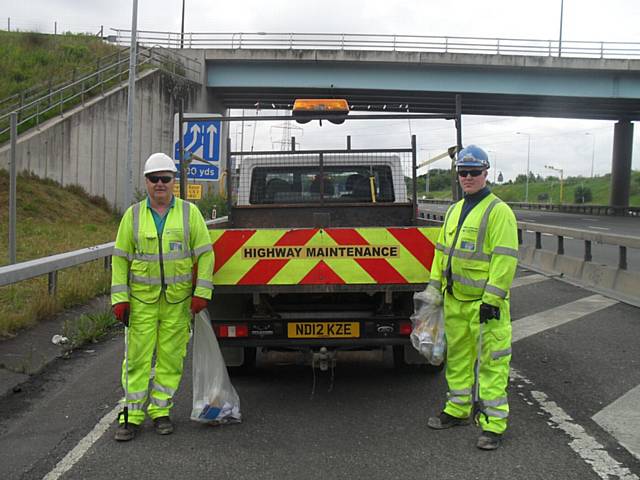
(163,328)
(462,322)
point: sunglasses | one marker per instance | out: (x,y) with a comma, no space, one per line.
(473,173)
(159,178)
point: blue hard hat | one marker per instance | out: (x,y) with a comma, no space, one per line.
(472,156)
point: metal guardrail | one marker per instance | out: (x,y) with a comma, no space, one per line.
(623,242)
(34,107)
(586,208)
(52,264)
(380,42)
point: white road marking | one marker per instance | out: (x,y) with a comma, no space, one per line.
(587,447)
(83,445)
(554,317)
(622,420)
(598,228)
(528,280)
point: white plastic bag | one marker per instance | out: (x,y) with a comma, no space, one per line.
(427,336)
(215,401)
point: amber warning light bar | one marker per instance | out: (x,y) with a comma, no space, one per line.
(334,110)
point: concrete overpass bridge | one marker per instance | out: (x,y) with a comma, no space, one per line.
(391,73)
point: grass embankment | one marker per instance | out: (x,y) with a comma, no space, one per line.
(600,190)
(33,65)
(28,59)
(51,219)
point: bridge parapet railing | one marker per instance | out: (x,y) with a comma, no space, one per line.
(380,42)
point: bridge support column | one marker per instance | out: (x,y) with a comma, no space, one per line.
(621,164)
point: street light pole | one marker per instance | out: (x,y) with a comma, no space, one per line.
(526,182)
(182,27)
(494,161)
(128,171)
(593,151)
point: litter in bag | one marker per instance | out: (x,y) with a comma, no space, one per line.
(427,336)
(215,401)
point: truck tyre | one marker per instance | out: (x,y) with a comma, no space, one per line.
(399,362)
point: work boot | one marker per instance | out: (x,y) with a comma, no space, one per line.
(489,441)
(163,425)
(444,420)
(126,432)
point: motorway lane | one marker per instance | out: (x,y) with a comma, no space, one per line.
(372,425)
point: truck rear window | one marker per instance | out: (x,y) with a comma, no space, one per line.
(339,184)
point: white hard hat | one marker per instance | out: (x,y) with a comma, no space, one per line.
(159,162)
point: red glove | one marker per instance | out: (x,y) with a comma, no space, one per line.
(198,304)
(121,312)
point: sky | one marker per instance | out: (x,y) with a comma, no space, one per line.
(563,143)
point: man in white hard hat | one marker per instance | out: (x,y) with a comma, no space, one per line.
(154,294)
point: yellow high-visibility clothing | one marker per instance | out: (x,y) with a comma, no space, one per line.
(154,273)
(473,266)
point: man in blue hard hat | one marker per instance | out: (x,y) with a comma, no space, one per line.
(473,267)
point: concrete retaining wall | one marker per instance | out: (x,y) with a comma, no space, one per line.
(88,146)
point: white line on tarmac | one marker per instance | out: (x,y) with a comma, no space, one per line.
(587,447)
(554,317)
(528,280)
(622,420)
(599,228)
(83,445)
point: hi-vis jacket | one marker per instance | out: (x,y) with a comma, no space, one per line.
(482,256)
(146,264)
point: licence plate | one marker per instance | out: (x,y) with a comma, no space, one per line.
(323,330)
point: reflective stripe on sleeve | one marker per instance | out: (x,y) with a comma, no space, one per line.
(203,249)
(511,252)
(119,289)
(204,284)
(500,353)
(121,253)
(441,247)
(498,292)
(436,284)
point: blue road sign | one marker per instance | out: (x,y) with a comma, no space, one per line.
(201,138)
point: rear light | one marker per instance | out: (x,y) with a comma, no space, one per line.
(231,331)
(405,328)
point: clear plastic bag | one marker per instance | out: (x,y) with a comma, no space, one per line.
(215,401)
(427,336)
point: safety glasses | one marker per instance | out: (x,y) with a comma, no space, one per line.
(159,178)
(473,173)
